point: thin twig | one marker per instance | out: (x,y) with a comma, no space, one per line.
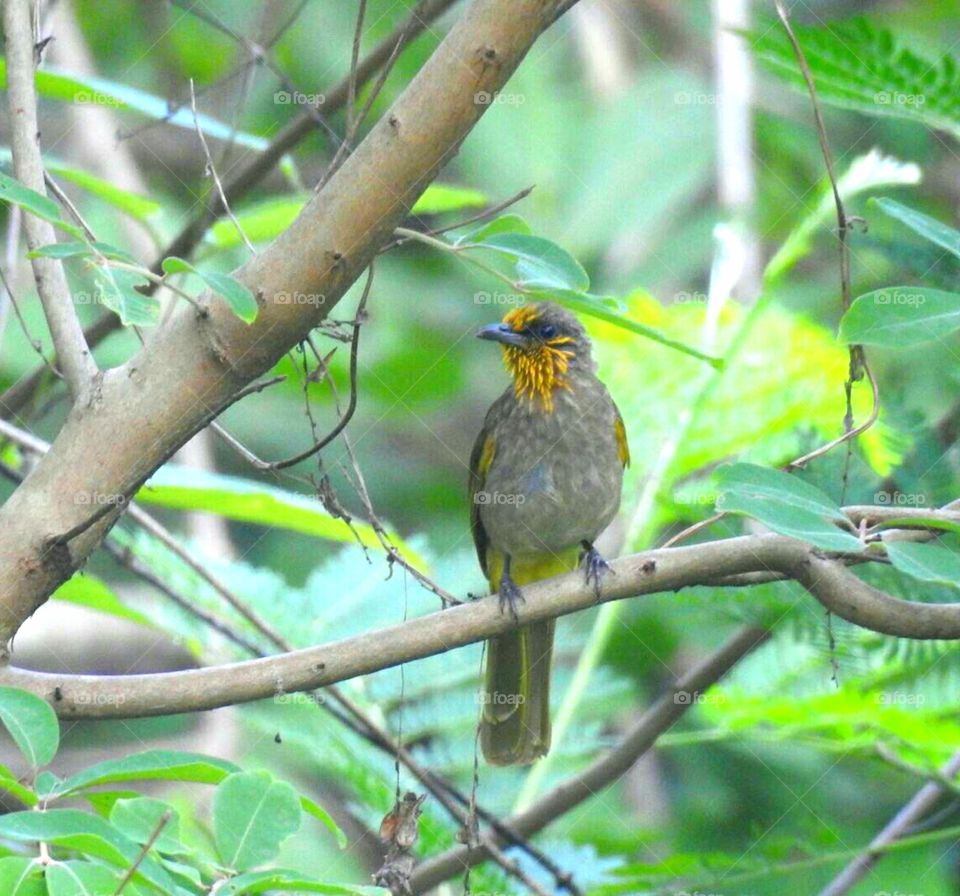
(212,170)
(901,823)
(858,362)
(161,824)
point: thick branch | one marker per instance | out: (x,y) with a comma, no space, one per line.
(667,569)
(73,356)
(193,369)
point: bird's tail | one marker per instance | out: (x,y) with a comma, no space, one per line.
(515,723)
(515,726)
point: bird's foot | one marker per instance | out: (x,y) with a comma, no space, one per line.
(595,567)
(510,595)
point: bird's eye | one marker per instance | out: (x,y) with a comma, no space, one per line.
(548,331)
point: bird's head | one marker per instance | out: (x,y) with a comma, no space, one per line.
(543,344)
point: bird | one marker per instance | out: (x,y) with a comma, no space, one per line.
(546,474)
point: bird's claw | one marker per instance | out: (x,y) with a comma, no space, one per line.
(510,595)
(595,567)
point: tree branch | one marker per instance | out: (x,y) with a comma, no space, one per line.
(73,355)
(193,369)
(246,178)
(666,569)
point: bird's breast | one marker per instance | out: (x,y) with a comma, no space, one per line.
(556,477)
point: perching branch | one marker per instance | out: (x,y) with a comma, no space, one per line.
(666,569)
(73,355)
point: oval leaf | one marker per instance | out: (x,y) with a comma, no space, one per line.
(153,765)
(901,316)
(88,834)
(764,482)
(21,876)
(541,263)
(252,815)
(32,724)
(929,228)
(927,562)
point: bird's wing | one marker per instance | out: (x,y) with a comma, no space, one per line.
(480,459)
(620,434)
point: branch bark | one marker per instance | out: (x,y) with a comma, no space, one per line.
(74,358)
(193,369)
(666,569)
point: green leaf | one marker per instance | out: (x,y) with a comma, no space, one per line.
(261,222)
(791,521)
(72,87)
(21,876)
(266,220)
(140,207)
(246,501)
(440,198)
(10,784)
(152,765)
(503,224)
(88,591)
(292,881)
(764,482)
(73,878)
(44,207)
(139,819)
(858,66)
(901,316)
(81,249)
(117,291)
(32,724)
(929,228)
(238,297)
(252,815)
(325,818)
(785,504)
(927,562)
(597,307)
(866,172)
(88,834)
(541,263)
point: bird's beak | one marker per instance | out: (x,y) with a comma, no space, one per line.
(503,334)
